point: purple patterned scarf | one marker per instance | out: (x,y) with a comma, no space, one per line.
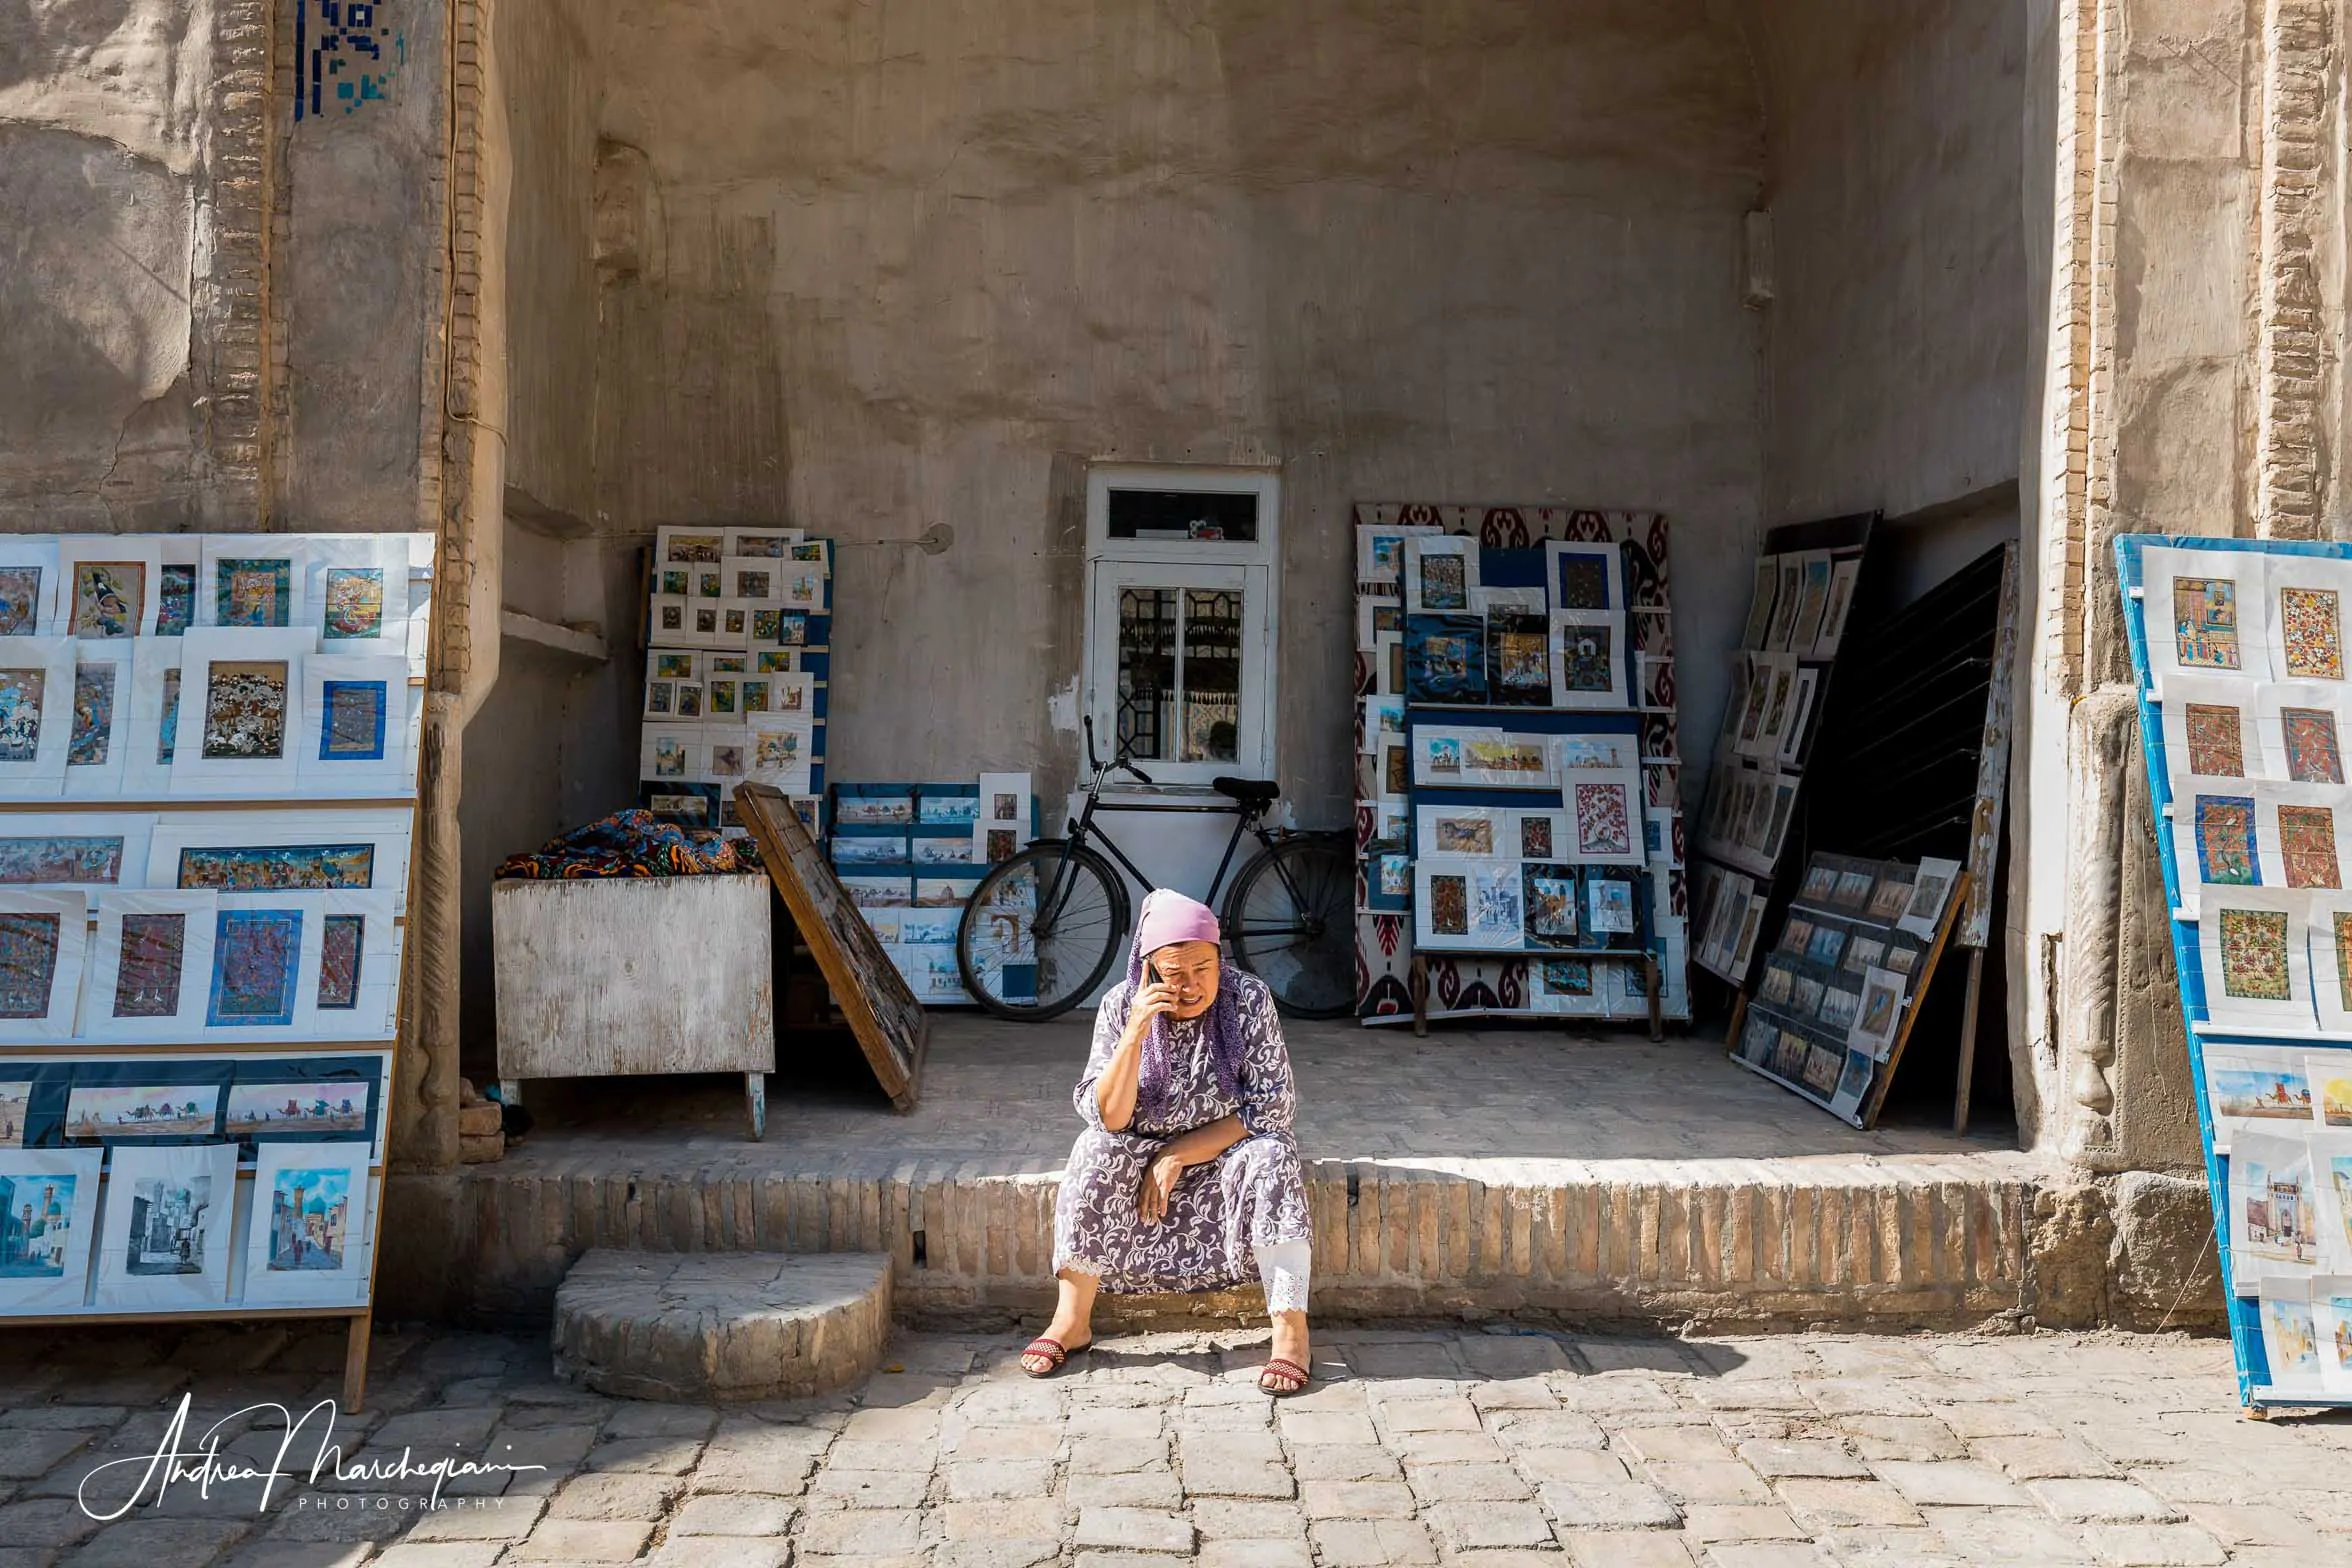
(1154,1092)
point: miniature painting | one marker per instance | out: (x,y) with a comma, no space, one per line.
(28,962)
(754,582)
(2225,840)
(39,1219)
(1444,584)
(1535,838)
(1519,666)
(1449,905)
(673,666)
(710,584)
(1604,822)
(720,697)
(354,605)
(352,727)
(1551,908)
(727,759)
(93,715)
(671,582)
(2216,741)
(20,600)
(2311,633)
(37,862)
(658,698)
(1464,836)
(688,699)
(1396,769)
(2313,756)
(345,938)
(1002,845)
(706,622)
(16,1104)
(147,980)
(1445,657)
(755,694)
(2254,954)
(179,1110)
(2205,622)
(774,661)
(2307,846)
(21,692)
(255,954)
(309,1217)
(109,598)
(253,592)
(299,867)
(1580,581)
(1588,659)
(245,710)
(707,548)
(175,603)
(1509,762)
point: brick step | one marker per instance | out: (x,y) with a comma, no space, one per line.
(705,1327)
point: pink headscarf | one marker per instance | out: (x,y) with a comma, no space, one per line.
(1167,917)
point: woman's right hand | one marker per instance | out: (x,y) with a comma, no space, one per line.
(1150,1003)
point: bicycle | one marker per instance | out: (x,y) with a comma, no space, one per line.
(1044,927)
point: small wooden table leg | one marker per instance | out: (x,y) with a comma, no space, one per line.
(1417,981)
(1967,1042)
(755,1101)
(355,1361)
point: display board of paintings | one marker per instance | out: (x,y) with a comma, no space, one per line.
(1518,825)
(1843,978)
(910,856)
(737,670)
(208,780)
(1798,609)
(2238,648)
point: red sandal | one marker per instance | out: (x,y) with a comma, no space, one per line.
(1278,1367)
(1051,1348)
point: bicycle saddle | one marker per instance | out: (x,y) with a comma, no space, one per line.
(1257,794)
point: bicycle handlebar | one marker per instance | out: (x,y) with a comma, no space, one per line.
(1094,762)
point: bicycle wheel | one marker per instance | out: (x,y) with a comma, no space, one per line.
(1041,931)
(1291,920)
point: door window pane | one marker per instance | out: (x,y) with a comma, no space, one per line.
(1205,516)
(1211,644)
(1179,676)
(1147,669)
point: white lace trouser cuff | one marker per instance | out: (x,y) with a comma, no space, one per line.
(1284,1267)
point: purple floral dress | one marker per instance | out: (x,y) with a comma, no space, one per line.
(1253,1195)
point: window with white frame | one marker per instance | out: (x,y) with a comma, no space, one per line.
(1182,570)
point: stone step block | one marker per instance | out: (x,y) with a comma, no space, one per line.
(703,1327)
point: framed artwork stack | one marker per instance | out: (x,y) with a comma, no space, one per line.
(1805,584)
(208,785)
(739,631)
(1518,826)
(910,857)
(2238,650)
(1842,981)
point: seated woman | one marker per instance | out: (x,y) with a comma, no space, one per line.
(1186,1177)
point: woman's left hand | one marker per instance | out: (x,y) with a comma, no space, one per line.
(1159,1180)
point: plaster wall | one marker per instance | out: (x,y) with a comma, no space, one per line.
(919,264)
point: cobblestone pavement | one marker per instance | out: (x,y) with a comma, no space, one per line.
(1501,1450)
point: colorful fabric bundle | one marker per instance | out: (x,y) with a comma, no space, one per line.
(634,843)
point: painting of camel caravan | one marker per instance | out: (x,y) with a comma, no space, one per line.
(180,1110)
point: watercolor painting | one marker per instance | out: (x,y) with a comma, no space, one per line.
(36,1223)
(1551,908)
(253,592)
(109,598)
(2307,846)
(301,1107)
(28,962)
(354,603)
(2273,1216)
(177,1110)
(2216,740)
(293,868)
(2254,954)
(2259,1094)
(175,602)
(2205,623)
(2331,1079)
(1464,836)
(1497,904)
(1396,876)
(1604,820)
(1611,905)
(352,727)
(245,710)
(255,954)
(2313,755)
(947,811)
(673,666)
(93,715)
(147,979)
(16,1105)
(876,811)
(2225,840)
(2290,1341)
(2311,633)
(1567,977)
(21,693)
(344,938)
(310,1212)
(20,600)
